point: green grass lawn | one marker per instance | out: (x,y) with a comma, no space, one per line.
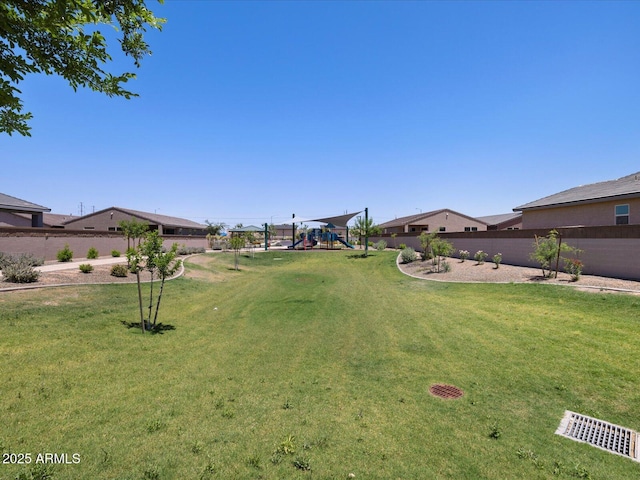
(315,365)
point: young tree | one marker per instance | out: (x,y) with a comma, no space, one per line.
(151,249)
(148,255)
(440,248)
(167,266)
(237,242)
(426,241)
(62,37)
(547,252)
(214,229)
(365,228)
(133,230)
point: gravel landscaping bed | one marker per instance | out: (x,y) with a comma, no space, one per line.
(101,274)
(470,271)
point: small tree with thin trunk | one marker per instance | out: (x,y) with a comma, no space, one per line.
(547,252)
(237,242)
(148,255)
(133,231)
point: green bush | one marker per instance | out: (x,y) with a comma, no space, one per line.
(380,245)
(480,257)
(65,255)
(184,250)
(19,269)
(29,258)
(119,271)
(86,268)
(92,253)
(115,253)
(408,255)
(402,246)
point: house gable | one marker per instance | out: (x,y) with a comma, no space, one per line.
(587,205)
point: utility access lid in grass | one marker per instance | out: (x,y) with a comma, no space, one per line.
(445,391)
(603,435)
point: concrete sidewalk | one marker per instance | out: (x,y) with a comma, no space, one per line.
(73,265)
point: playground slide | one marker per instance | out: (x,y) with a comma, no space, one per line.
(345,243)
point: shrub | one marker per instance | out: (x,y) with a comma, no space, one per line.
(19,269)
(184,250)
(65,255)
(464,254)
(29,258)
(86,268)
(480,256)
(119,271)
(573,267)
(115,253)
(497,258)
(408,255)
(380,245)
(92,253)
(402,246)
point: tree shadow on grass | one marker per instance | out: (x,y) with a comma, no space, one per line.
(159,328)
(360,255)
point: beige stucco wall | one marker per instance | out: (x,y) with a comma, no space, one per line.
(451,221)
(592,214)
(14,220)
(101,222)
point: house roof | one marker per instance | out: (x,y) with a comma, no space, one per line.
(594,192)
(152,218)
(13,204)
(419,217)
(52,219)
(249,228)
(498,219)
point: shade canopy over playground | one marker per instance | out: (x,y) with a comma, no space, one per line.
(338,221)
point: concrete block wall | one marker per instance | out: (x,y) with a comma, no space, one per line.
(606,251)
(45,243)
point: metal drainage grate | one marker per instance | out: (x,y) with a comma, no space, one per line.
(445,391)
(607,436)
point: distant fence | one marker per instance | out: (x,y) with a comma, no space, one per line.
(46,242)
(607,251)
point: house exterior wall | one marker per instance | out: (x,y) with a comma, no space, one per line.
(10,219)
(589,214)
(45,242)
(101,222)
(515,224)
(451,221)
(606,251)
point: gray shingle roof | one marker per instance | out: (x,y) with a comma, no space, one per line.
(7,202)
(498,219)
(609,190)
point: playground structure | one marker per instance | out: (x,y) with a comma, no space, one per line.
(319,236)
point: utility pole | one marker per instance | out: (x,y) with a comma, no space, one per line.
(293,231)
(266,236)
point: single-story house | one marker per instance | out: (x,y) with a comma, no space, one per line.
(11,209)
(443,220)
(613,202)
(107,220)
(504,221)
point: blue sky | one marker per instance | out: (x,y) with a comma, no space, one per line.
(251,111)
